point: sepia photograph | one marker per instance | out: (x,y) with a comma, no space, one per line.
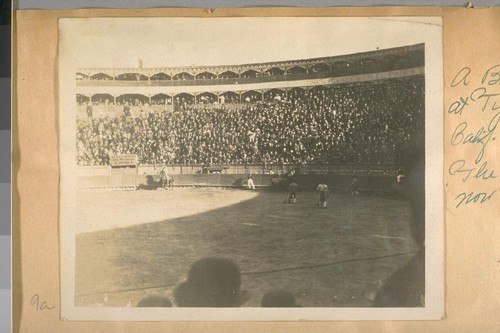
(251,168)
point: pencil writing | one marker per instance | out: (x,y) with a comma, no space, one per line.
(40,304)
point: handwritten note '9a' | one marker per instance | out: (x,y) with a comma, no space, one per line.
(475,116)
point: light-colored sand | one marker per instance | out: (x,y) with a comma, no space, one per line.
(101,210)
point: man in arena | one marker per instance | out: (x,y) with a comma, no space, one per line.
(323,194)
(354,187)
(292,188)
(164,177)
(250,183)
(400,177)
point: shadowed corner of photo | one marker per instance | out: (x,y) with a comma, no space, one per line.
(5,42)
(5,98)
(5,123)
(5,102)
(5,12)
(5,61)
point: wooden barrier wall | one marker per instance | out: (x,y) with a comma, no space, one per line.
(305,182)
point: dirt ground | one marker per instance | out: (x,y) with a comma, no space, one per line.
(334,257)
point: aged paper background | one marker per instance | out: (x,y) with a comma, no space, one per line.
(472,254)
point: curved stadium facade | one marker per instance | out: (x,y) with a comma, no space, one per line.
(349,113)
(260,82)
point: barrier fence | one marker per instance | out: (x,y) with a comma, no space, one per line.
(377,178)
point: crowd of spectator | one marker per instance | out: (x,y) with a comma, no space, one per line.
(369,123)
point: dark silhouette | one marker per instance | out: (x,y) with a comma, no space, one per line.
(279,299)
(154,302)
(406,287)
(211,282)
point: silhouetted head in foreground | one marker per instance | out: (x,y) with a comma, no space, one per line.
(154,302)
(211,282)
(415,188)
(279,299)
(406,286)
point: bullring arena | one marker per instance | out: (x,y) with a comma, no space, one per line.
(308,121)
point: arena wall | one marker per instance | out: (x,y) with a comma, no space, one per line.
(147,177)
(255,169)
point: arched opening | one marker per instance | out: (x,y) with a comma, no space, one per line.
(250,73)
(296,93)
(160,77)
(251,96)
(102,99)
(183,99)
(275,71)
(183,76)
(342,68)
(132,99)
(228,75)
(229,97)
(296,70)
(161,99)
(206,76)
(274,95)
(101,76)
(82,99)
(81,76)
(131,77)
(320,68)
(206,98)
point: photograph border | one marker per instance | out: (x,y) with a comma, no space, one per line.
(434,308)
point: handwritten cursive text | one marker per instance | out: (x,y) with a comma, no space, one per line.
(39,304)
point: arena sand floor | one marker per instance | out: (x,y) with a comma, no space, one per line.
(334,257)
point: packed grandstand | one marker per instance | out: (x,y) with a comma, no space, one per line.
(361,108)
